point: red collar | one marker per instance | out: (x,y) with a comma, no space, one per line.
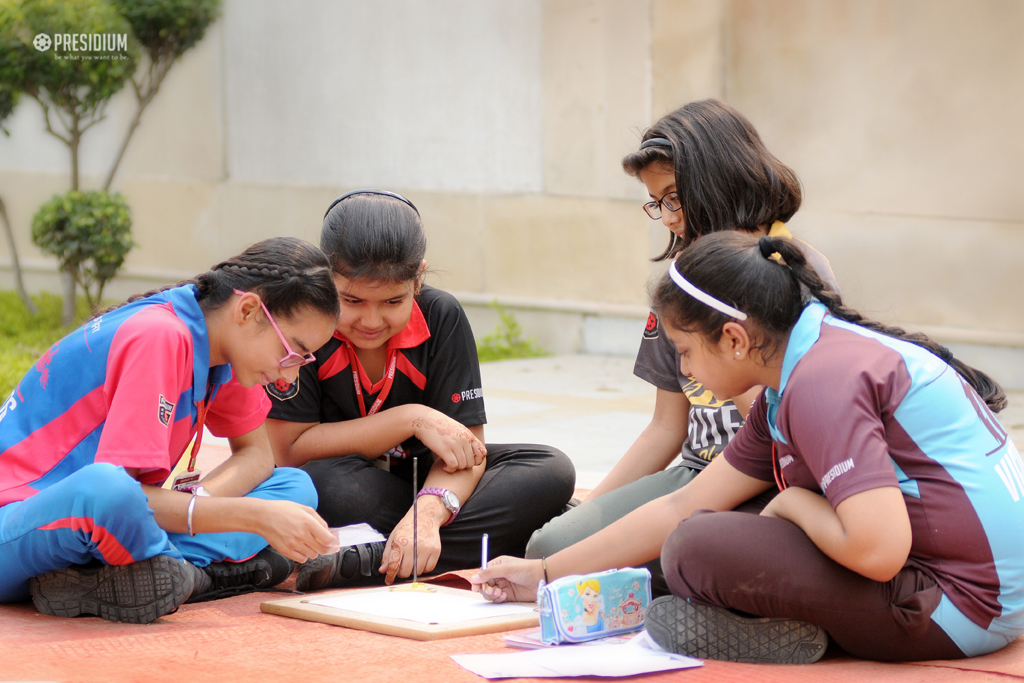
(412,335)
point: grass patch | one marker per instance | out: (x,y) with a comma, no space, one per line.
(25,337)
(507,342)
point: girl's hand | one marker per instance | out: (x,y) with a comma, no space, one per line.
(772,508)
(782,504)
(508,579)
(449,440)
(397,557)
(297,531)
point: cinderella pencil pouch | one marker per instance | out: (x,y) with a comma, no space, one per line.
(588,606)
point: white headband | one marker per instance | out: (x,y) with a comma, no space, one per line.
(702,296)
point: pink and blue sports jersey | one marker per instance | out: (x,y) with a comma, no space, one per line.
(858,410)
(122,389)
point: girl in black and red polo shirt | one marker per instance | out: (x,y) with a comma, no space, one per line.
(400,380)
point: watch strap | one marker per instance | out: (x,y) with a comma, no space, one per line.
(439,492)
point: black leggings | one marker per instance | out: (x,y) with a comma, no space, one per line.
(769,567)
(523,487)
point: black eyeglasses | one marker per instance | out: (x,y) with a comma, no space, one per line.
(670,201)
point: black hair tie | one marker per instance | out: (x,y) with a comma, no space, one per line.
(767,246)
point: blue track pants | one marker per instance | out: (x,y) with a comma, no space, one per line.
(100,512)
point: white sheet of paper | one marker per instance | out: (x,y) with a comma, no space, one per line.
(635,657)
(356,534)
(441,607)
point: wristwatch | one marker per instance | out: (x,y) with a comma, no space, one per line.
(448,498)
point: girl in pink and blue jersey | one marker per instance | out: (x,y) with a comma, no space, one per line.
(98,423)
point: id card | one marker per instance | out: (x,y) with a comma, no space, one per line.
(186,481)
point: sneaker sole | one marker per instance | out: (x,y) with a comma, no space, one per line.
(706,632)
(137,593)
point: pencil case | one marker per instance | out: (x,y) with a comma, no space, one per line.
(582,607)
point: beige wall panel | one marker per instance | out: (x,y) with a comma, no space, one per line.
(23,194)
(177,225)
(892,106)
(454,228)
(688,52)
(596,75)
(911,270)
(181,134)
(254,212)
(562,248)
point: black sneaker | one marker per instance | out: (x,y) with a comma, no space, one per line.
(706,632)
(137,593)
(225,579)
(356,565)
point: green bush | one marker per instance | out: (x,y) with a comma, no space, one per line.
(12,63)
(89,233)
(506,342)
(25,337)
(168,27)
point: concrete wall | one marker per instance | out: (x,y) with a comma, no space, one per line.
(505,123)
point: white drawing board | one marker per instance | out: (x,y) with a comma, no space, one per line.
(444,613)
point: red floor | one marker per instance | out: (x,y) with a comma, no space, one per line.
(231,640)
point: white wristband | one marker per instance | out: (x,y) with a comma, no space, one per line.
(191,507)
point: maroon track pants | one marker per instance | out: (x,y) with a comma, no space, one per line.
(768,567)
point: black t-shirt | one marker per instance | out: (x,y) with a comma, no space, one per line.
(436,366)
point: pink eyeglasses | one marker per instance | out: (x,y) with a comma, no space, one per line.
(292,359)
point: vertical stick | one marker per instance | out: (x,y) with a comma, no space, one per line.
(415,519)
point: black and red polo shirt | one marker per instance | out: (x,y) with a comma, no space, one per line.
(436,366)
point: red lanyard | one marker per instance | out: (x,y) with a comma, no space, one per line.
(780,478)
(357,370)
(201,409)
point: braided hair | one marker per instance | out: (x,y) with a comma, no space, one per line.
(287,273)
(725,176)
(770,280)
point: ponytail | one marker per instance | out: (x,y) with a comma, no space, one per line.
(770,280)
(987,388)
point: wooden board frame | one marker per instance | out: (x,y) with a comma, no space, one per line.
(302,608)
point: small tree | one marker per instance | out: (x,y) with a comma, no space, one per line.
(73,93)
(12,75)
(89,233)
(166,29)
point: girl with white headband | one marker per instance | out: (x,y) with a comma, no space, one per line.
(896,531)
(706,170)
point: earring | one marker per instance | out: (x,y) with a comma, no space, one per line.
(737,354)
